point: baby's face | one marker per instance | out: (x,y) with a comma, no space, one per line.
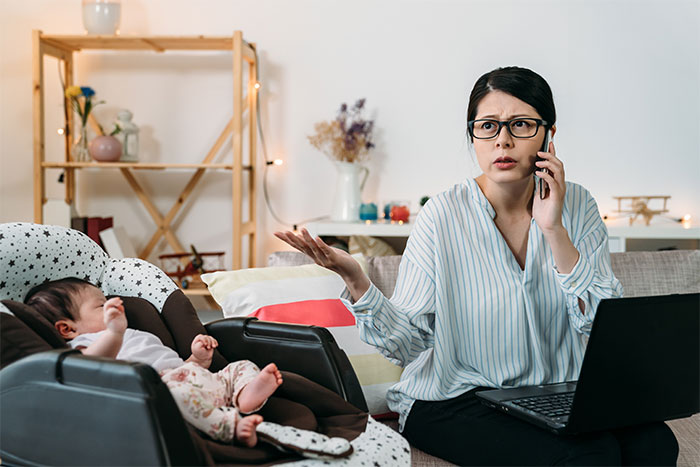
(91,311)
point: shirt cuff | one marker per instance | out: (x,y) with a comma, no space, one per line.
(578,280)
(369,301)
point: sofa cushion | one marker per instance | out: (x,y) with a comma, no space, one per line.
(382,270)
(306,294)
(657,272)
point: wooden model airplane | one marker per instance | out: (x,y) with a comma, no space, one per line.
(639,206)
(188,275)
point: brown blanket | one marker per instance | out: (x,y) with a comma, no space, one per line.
(298,402)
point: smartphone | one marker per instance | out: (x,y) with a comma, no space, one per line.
(545,148)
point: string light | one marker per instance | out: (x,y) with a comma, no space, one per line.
(61,131)
(257,85)
(685,221)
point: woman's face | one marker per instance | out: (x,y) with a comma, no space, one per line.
(504,158)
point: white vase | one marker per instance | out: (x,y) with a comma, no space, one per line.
(347,200)
(102,17)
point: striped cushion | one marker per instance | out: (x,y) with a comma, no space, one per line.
(306,294)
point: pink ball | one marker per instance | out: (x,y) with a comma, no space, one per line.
(105,149)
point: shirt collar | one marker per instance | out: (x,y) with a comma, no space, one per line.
(479,198)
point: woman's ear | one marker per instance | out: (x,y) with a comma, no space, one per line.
(553,130)
(66,328)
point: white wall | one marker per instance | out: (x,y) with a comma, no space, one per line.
(625,76)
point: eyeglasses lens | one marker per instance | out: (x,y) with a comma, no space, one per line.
(520,128)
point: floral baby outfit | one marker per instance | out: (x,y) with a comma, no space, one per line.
(206,400)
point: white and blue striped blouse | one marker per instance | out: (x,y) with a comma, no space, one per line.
(464,314)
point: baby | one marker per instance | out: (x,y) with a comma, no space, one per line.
(210,401)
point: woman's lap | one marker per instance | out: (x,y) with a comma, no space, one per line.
(465,432)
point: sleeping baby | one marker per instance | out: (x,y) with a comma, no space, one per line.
(212,402)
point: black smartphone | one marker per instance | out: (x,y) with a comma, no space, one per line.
(545,148)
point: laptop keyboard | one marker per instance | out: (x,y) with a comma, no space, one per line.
(551,405)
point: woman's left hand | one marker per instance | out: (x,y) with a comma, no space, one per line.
(547,211)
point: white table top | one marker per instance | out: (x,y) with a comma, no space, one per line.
(382,228)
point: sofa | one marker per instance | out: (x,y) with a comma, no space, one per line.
(641,273)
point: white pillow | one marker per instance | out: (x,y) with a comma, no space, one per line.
(307,294)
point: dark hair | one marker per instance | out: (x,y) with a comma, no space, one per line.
(56,300)
(522,83)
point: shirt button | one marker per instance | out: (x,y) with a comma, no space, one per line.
(573,283)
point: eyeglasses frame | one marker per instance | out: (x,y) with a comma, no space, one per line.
(506,123)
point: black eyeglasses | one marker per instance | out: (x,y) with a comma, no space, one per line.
(487,128)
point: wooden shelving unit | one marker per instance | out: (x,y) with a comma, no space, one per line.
(64,48)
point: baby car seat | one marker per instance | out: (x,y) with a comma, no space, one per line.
(60,407)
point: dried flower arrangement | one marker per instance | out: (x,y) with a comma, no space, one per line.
(348,138)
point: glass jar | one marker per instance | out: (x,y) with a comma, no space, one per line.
(128,135)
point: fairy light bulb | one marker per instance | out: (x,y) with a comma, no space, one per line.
(685,221)
(257,85)
(278,162)
(61,131)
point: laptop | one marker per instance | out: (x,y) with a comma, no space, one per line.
(642,364)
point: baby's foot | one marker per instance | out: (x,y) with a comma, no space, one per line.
(259,389)
(245,430)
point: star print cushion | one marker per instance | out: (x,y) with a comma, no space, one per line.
(304,442)
(133,277)
(33,253)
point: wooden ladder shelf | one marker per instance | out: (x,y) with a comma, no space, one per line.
(245,97)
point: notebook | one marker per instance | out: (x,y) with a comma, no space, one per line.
(642,364)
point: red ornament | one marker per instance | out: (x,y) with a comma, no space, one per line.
(400,213)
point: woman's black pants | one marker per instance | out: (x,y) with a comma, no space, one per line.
(465,432)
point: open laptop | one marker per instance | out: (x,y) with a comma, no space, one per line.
(642,364)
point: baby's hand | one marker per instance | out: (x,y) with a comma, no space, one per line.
(203,347)
(115,319)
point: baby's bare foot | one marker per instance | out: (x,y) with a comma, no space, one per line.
(245,430)
(259,388)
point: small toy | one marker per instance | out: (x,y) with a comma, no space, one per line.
(189,276)
(400,213)
(639,206)
(368,212)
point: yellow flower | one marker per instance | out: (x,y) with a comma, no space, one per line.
(73,91)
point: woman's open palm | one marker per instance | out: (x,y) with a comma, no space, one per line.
(324,255)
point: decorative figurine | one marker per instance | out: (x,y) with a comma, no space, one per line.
(128,134)
(639,206)
(400,213)
(368,212)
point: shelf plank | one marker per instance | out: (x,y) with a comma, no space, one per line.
(378,228)
(196,292)
(383,228)
(152,43)
(654,232)
(136,165)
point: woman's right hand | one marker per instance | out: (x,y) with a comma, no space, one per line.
(331,258)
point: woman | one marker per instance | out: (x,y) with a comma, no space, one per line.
(498,287)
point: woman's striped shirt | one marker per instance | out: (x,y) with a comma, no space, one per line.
(464,314)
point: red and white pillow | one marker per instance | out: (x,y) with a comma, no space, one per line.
(307,294)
